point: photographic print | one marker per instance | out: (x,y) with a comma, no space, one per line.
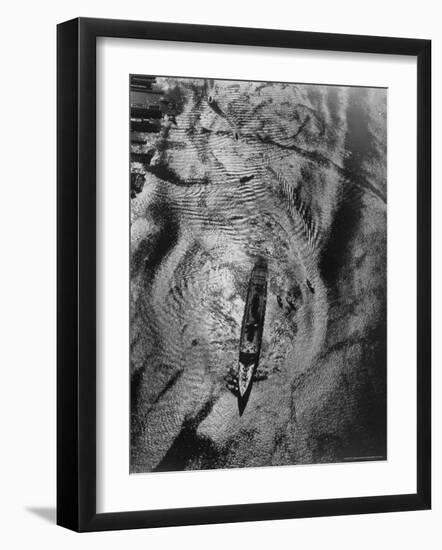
(258,267)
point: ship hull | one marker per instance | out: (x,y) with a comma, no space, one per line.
(252,330)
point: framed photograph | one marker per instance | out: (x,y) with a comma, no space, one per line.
(243,274)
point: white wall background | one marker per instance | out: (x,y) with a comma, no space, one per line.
(27,274)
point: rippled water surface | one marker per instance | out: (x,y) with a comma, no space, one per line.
(233,171)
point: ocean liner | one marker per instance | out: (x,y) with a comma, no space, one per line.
(251,331)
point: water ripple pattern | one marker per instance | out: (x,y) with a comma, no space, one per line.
(225,172)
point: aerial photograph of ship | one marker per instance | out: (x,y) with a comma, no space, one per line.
(251,331)
(258,261)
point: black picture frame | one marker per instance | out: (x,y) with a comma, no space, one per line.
(76,274)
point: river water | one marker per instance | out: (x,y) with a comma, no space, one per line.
(292,173)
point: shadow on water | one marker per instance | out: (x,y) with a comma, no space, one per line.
(347,218)
(44,512)
(244,399)
(189,446)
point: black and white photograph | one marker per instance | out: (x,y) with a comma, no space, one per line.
(258,274)
(220,236)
